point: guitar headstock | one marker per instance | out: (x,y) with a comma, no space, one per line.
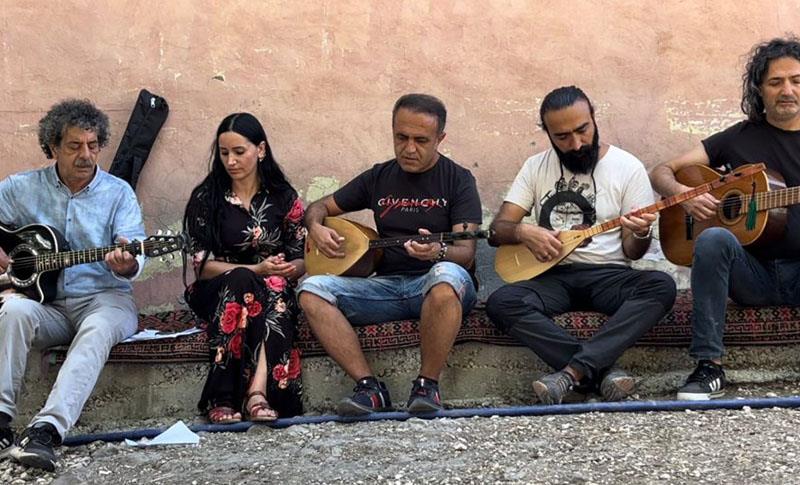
(164,243)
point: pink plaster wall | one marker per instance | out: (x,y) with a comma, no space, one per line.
(322,77)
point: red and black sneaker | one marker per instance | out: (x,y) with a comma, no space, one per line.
(369,396)
(424,396)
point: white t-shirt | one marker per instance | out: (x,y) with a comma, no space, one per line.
(620,185)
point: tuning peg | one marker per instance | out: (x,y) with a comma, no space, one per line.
(158,233)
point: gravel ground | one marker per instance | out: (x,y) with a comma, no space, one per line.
(747,446)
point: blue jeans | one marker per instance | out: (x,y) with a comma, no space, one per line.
(379,299)
(723,268)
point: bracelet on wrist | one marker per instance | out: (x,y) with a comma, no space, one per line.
(646,236)
(442,253)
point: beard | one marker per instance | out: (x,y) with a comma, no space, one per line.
(582,160)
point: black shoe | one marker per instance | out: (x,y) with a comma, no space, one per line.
(424,397)
(35,446)
(616,385)
(706,382)
(369,396)
(6,442)
(552,388)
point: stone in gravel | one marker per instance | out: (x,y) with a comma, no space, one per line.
(579,478)
(108,450)
(298,430)
(259,430)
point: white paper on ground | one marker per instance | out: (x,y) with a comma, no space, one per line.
(150,334)
(177,434)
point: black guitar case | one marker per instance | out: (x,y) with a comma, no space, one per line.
(148,116)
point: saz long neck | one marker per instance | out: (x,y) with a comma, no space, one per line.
(427,238)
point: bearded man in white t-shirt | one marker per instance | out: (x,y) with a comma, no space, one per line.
(580,181)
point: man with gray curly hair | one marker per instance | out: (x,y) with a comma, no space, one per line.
(93,308)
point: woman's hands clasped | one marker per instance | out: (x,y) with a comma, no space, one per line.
(276,265)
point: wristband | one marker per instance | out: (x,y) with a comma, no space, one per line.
(442,253)
(646,236)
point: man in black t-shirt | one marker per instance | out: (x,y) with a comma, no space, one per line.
(417,192)
(721,266)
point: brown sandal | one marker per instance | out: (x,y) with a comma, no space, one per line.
(216,415)
(251,413)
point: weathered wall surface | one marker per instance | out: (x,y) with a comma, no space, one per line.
(323,75)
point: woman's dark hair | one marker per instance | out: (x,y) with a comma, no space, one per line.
(561,98)
(208,198)
(758,64)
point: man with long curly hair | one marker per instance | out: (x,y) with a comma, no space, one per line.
(721,266)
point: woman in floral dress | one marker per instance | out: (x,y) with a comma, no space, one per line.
(245,222)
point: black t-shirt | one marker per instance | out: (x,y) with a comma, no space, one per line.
(755,142)
(403,202)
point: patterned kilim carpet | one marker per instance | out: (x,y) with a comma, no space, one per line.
(745,326)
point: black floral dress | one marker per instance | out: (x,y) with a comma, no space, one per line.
(244,310)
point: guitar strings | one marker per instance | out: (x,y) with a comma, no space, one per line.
(27,262)
(761,198)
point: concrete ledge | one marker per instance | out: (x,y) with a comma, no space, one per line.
(476,375)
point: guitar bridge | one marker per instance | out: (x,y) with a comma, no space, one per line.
(689,227)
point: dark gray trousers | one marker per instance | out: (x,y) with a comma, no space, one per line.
(634,300)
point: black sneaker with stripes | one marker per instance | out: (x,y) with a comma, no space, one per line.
(6,441)
(706,382)
(35,447)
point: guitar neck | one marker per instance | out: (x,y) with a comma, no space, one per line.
(776,198)
(65,259)
(677,198)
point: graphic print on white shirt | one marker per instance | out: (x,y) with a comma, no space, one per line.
(569,205)
(560,200)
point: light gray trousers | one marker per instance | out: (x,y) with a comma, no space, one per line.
(93,324)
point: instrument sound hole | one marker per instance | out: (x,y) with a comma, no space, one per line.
(20,268)
(731,207)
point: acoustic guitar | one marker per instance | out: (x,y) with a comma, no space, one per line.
(754,210)
(515,262)
(40,252)
(363,248)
